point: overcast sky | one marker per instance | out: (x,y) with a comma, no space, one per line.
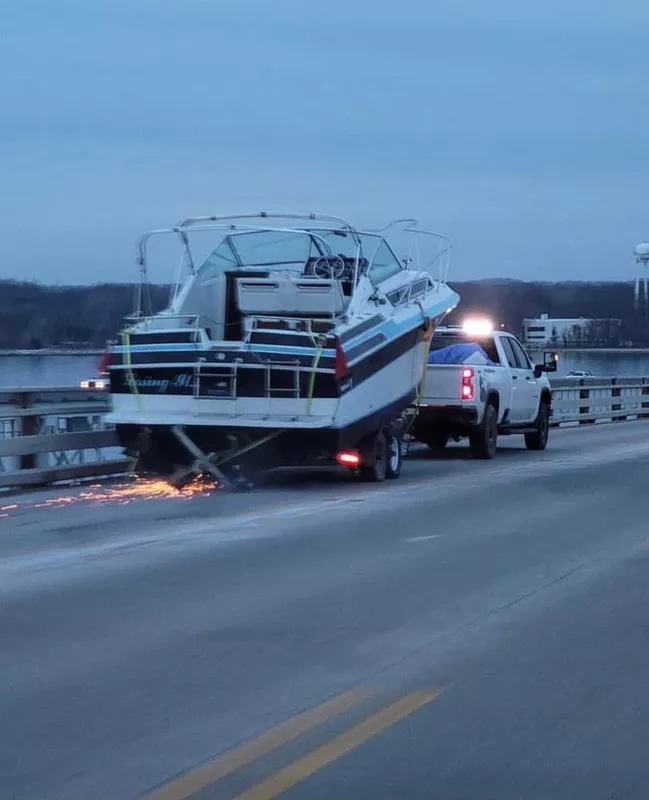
(519,129)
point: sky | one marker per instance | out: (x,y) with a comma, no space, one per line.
(520,130)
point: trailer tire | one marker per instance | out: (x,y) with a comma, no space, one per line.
(395,455)
(375,459)
(484,439)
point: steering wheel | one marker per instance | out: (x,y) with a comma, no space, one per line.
(329,267)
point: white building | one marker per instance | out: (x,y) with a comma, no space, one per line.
(566,331)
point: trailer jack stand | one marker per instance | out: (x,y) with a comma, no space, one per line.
(203,463)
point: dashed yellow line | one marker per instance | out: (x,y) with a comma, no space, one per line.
(317,759)
(200,778)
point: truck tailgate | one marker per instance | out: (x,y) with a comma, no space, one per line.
(443,383)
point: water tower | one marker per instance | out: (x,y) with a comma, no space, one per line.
(642,257)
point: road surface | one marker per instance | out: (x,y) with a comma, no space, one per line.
(473,630)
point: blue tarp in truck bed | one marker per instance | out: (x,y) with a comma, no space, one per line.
(457,354)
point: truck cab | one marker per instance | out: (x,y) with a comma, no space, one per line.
(481,383)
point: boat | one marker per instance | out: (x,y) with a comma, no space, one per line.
(288,338)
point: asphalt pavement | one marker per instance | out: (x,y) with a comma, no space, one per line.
(472,630)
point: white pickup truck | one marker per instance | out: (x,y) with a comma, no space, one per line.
(494,390)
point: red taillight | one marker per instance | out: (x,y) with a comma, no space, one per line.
(340,365)
(467,384)
(348,458)
(102,364)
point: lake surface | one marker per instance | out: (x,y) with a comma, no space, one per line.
(44,370)
(68,369)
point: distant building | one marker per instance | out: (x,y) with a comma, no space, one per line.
(575,331)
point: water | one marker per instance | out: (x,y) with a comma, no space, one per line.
(45,370)
(602,363)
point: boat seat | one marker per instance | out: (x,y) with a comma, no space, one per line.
(284,296)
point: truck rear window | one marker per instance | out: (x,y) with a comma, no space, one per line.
(441,340)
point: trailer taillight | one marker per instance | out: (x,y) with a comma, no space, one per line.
(348,458)
(340,365)
(467,384)
(102,364)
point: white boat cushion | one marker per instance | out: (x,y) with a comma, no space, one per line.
(304,297)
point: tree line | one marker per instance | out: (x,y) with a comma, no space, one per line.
(36,316)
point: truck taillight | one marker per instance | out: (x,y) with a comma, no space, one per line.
(102,364)
(467,384)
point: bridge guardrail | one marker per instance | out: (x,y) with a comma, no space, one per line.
(55,435)
(590,400)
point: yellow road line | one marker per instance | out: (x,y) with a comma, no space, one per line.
(200,778)
(317,759)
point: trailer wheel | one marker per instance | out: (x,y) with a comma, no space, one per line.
(395,455)
(375,459)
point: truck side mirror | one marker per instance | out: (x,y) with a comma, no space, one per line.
(549,364)
(550,361)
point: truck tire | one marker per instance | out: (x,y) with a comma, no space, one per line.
(375,459)
(484,439)
(539,439)
(395,455)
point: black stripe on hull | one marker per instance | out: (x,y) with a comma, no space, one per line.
(292,339)
(366,368)
(365,347)
(250,383)
(175,358)
(365,326)
(165,337)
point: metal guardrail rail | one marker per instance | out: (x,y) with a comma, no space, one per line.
(56,435)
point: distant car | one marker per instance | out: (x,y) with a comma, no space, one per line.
(579,373)
(94,383)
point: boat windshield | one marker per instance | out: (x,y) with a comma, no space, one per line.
(382,262)
(285,250)
(291,250)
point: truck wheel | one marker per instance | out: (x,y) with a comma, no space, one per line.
(483,440)
(539,439)
(375,459)
(395,455)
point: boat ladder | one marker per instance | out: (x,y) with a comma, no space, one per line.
(282,380)
(218,381)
